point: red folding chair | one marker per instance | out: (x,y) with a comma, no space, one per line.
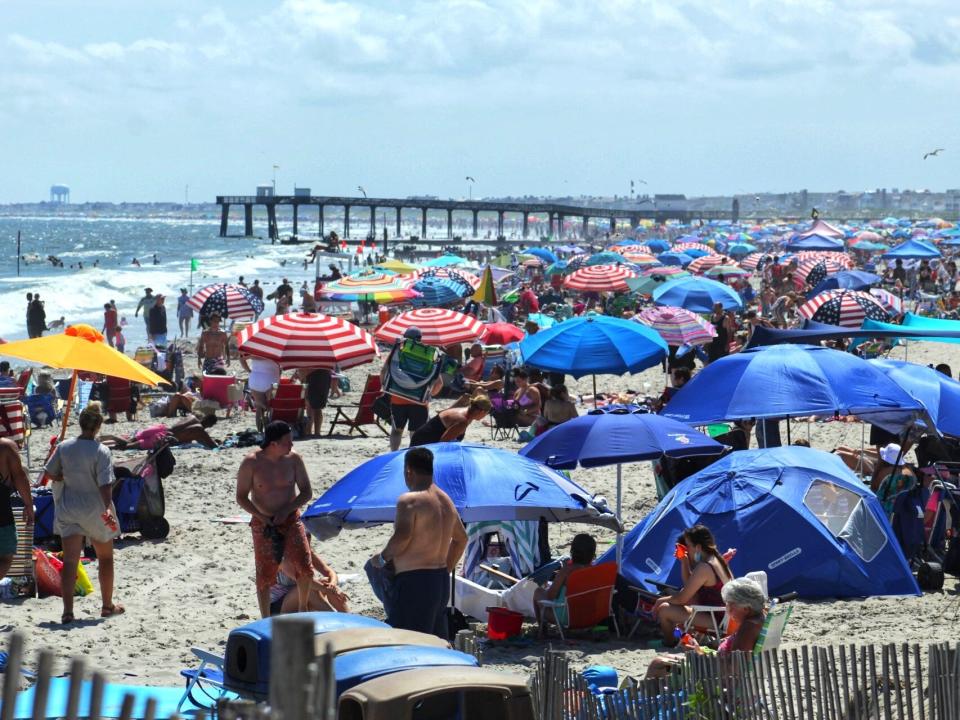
(362,411)
(120,399)
(287,403)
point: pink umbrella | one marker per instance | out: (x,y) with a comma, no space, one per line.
(677,326)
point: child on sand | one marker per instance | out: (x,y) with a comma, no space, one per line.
(119,340)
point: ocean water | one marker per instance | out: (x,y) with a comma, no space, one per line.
(79,294)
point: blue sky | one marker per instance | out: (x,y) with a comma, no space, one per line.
(131,100)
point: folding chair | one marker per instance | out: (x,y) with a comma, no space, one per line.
(22,566)
(206,679)
(718,628)
(23,379)
(363,410)
(503,416)
(587,599)
(120,399)
(12,424)
(287,403)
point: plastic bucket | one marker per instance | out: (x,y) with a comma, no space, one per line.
(503,624)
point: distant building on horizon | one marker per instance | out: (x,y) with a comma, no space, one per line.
(60,194)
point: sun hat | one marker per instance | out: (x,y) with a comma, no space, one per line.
(890,454)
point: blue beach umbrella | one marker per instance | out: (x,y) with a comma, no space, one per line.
(594,345)
(938,393)
(445,261)
(845,280)
(780,381)
(693,252)
(697,294)
(675,258)
(436,291)
(484,484)
(740,249)
(542,253)
(798,513)
(615,437)
(912,249)
(657,245)
(605,258)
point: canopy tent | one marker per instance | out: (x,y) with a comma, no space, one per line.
(823,228)
(912,249)
(814,242)
(484,483)
(798,514)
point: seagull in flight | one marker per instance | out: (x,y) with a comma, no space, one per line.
(937,151)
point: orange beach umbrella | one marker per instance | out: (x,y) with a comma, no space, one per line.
(80,348)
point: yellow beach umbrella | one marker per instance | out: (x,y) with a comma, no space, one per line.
(486,292)
(397,266)
(79,348)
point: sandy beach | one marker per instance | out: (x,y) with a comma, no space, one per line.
(195,586)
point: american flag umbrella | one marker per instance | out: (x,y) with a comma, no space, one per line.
(677,326)
(308,340)
(812,270)
(373,287)
(846,308)
(228,301)
(841,258)
(436,290)
(752,261)
(599,278)
(891,302)
(701,264)
(437,326)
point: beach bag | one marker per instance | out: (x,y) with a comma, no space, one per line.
(47,574)
(930,576)
(381,407)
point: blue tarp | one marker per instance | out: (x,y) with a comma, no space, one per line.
(798,514)
(813,332)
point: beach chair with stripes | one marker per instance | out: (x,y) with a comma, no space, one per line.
(12,424)
(21,569)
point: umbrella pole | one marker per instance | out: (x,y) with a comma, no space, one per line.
(863,433)
(619,500)
(594,392)
(788,431)
(66,410)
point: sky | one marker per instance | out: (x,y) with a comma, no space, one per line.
(128,100)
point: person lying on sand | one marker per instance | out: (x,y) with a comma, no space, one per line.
(188,430)
(324,592)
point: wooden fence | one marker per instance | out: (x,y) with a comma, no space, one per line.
(890,682)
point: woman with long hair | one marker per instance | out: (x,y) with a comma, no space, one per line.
(704,571)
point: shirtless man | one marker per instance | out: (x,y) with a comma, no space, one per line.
(427,542)
(12,479)
(213,347)
(272,485)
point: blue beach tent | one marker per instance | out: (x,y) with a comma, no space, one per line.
(912,249)
(798,514)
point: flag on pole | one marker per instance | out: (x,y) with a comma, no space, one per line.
(194,264)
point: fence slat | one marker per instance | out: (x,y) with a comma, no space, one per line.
(11,678)
(42,688)
(77,673)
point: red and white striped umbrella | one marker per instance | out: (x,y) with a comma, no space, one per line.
(677,326)
(680,247)
(474,280)
(308,340)
(643,259)
(846,308)
(702,264)
(438,326)
(631,249)
(599,278)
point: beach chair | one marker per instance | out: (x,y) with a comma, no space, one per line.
(120,399)
(718,619)
(287,403)
(217,388)
(23,379)
(146,356)
(587,600)
(362,411)
(21,569)
(12,413)
(503,419)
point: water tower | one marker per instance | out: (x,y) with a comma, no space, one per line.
(60,194)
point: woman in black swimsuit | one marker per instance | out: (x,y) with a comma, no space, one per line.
(451,424)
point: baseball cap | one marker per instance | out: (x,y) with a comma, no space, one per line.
(412,333)
(890,454)
(273,432)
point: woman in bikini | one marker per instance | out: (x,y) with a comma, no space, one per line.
(704,571)
(527,398)
(451,425)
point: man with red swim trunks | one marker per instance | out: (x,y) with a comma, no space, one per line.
(272,485)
